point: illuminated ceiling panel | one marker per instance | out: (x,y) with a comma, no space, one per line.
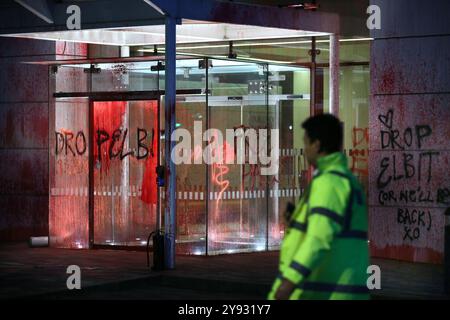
(189,32)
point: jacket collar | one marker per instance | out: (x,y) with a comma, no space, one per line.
(332,161)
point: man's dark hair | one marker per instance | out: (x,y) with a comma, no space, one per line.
(327,129)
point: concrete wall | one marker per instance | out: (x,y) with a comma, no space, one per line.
(409,180)
(24,116)
(351,12)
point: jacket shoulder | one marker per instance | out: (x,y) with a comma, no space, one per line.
(333,179)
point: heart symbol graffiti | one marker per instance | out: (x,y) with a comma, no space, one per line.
(387,119)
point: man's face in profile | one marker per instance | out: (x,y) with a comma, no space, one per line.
(311,149)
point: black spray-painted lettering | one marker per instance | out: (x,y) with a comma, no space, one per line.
(65,143)
(115,136)
(80,137)
(141,145)
(406,166)
(413,221)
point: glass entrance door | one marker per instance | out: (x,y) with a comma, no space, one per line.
(125,155)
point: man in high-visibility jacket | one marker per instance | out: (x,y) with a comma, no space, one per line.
(325,254)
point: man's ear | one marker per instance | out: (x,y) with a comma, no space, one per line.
(317,146)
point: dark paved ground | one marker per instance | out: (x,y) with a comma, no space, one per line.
(40,273)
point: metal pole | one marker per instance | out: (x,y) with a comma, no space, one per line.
(241,173)
(207,166)
(334,74)
(170,99)
(312,88)
(91,165)
(159,157)
(276,185)
(312,107)
(268,126)
(124,178)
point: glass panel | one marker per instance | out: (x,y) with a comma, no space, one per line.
(188,73)
(289,106)
(237,195)
(353,99)
(353,112)
(129,76)
(191,177)
(125,160)
(287,50)
(69,168)
(350,50)
(191,183)
(71,78)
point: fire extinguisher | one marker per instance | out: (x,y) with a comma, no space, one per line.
(158,250)
(157,236)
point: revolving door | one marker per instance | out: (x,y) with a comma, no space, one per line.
(107,138)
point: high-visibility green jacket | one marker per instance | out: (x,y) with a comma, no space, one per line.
(325,249)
